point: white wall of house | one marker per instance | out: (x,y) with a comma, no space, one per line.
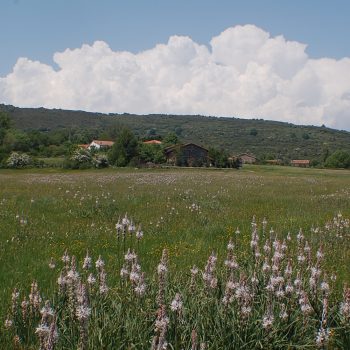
(94,145)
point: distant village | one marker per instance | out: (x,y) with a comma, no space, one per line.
(193,155)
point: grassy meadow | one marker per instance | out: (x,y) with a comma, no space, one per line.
(190,212)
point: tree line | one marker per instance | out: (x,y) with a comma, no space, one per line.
(22,148)
(27,148)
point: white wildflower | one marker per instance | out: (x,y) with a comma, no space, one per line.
(289,288)
(139,234)
(124,272)
(91,279)
(99,263)
(52,264)
(8,323)
(266,267)
(140,289)
(267,321)
(300,235)
(73,275)
(301,258)
(65,257)
(61,280)
(322,337)
(325,287)
(345,309)
(42,330)
(87,262)
(230,245)
(246,310)
(134,276)
(130,256)
(279,293)
(82,312)
(231,285)
(162,268)
(306,308)
(283,313)
(312,282)
(315,272)
(194,270)
(125,220)
(176,304)
(231,264)
(267,248)
(307,248)
(270,287)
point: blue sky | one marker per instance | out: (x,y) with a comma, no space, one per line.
(274,59)
(38,28)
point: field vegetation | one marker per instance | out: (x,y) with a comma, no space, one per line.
(175,258)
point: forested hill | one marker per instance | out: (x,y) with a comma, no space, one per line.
(268,139)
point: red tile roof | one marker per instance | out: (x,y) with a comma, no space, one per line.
(300,161)
(153,142)
(103,143)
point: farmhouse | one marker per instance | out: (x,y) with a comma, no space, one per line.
(84,146)
(188,154)
(247,158)
(100,144)
(304,163)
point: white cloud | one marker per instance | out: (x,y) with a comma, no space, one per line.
(243,72)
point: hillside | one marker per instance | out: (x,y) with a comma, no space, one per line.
(263,138)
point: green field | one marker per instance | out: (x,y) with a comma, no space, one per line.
(191,212)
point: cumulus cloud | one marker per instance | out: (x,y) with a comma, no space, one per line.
(242,72)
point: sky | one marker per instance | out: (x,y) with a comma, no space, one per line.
(272,59)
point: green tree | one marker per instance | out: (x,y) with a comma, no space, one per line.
(151,153)
(5,121)
(170,139)
(124,149)
(5,125)
(219,157)
(325,154)
(339,159)
(15,140)
(178,130)
(253,132)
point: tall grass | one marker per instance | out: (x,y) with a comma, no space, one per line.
(188,212)
(277,294)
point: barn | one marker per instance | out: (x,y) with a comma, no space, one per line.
(188,154)
(303,163)
(247,158)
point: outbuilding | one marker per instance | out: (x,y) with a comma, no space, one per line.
(188,154)
(303,163)
(100,144)
(247,158)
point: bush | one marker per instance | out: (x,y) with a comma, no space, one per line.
(253,132)
(100,161)
(18,160)
(339,159)
(80,159)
